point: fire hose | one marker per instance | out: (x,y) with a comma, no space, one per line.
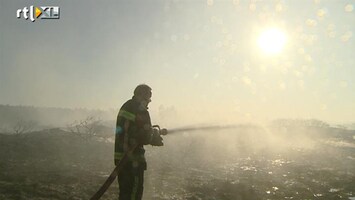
(116,171)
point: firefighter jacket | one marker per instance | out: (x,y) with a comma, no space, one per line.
(139,131)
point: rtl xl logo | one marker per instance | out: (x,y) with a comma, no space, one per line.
(41,12)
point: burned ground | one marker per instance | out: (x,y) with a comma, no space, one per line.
(247,162)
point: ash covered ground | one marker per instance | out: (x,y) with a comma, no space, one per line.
(243,163)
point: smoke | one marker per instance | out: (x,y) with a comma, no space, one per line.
(245,160)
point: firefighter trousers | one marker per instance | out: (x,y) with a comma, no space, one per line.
(130,181)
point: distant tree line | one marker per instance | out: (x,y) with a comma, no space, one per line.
(12,116)
(300,123)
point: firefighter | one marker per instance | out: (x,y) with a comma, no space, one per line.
(133,130)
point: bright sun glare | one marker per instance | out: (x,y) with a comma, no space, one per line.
(272,41)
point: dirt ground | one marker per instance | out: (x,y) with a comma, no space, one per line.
(240,164)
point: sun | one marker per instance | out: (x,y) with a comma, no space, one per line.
(272,41)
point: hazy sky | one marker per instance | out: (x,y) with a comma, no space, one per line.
(200,57)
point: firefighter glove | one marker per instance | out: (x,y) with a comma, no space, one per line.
(157,140)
